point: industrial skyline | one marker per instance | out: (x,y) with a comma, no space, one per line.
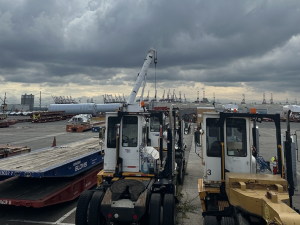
(166,97)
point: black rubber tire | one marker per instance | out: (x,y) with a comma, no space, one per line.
(81,217)
(95,217)
(180,171)
(210,220)
(154,209)
(242,220)
(168,210)
(227,221)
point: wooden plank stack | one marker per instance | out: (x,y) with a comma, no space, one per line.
(7,151)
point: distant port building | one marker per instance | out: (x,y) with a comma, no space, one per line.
(28,100)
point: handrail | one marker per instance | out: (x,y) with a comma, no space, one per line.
(222,162)
(202,161)
(282,166)
(296,144)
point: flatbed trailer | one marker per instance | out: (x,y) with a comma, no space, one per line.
(37,193)
(62,161)
(42,117)
(78,127)
(4,124)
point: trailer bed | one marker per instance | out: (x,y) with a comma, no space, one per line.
(62,161)
(37,193)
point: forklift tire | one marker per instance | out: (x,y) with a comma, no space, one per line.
(227,221)
(95,217)
(168,209)
(81,217)
(210,220)
(154,209)
(242,220)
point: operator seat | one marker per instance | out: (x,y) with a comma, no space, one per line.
(215,149)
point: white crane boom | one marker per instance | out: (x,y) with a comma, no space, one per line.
(142,75)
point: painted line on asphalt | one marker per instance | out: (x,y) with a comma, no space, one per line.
(65,216)
(37,138)
(267,133)
(40,222)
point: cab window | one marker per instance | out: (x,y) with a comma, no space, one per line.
(111,132)
(154,124)
(236,137)
(213,144)
(130,131)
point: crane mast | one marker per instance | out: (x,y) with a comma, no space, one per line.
(152,53)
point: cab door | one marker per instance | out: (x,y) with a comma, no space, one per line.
(129,143)
(212,149)
(236,146)
(111,140)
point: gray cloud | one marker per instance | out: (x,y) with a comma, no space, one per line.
(255,44)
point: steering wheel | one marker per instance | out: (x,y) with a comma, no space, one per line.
(125,138)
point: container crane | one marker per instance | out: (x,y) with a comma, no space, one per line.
(163,97)
(4,105)
(180,100)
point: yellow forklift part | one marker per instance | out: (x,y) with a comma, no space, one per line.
(138,174)
(128,175)
(141,179)
(264,195)
(204,191)
(101,175)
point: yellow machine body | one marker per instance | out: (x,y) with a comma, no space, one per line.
(262,195)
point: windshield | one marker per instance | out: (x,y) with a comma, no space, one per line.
(236,137)
(154,124)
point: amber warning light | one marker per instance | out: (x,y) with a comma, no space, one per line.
(253,111)
(143,104)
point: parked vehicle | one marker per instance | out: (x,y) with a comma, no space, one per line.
(235,188)
(141,165)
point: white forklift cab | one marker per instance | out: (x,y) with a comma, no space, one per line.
(238,155)
(128,130)
(232,191)
(136,130)
(227,141)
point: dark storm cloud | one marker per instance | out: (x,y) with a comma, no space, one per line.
(218,43)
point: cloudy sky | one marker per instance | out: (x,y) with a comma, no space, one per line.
(86,49)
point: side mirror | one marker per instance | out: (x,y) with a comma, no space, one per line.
(101,132)
(197,138)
